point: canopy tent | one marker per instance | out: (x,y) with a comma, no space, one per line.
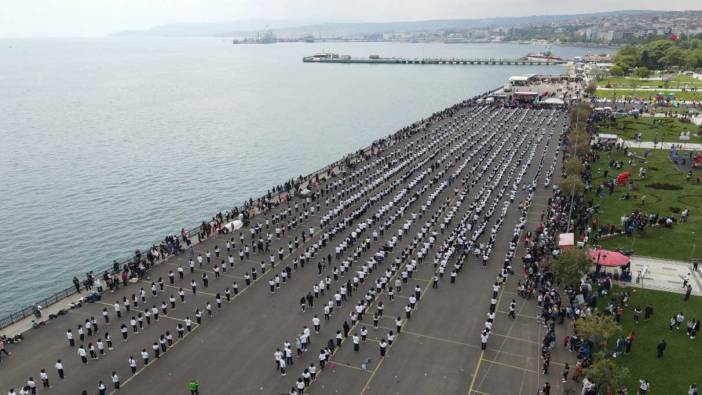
(608,258)
(566,240)
(622,177)
(554,101)
(234,225)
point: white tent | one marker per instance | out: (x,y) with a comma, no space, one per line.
(554,101)
(234,225)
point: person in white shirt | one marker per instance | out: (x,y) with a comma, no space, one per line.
(59,369)
(132,364)
(83,354)
(44,377)
(115,380)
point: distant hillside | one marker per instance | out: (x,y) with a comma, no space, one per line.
(291,28)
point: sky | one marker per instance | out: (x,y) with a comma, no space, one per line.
(87,18)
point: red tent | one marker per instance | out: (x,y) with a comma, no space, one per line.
(608,258)
(622,178)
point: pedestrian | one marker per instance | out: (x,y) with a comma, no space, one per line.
(83,354)
(59,369)
(102,390)
(69,336)
(44,377)
(282,365)
(115,380)
(660,348)
(564,373)
(578,371)
(32,386)
(132,364)
(644,386)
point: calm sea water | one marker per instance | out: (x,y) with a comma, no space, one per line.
(108,144)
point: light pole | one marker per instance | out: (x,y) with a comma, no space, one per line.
(694,245)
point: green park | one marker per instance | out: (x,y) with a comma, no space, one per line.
(664,189)
(656,71)
(666,129)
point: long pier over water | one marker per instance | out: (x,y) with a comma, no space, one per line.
(435,61)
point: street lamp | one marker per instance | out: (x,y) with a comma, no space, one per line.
(694,245)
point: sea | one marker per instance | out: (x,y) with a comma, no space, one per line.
(108,144)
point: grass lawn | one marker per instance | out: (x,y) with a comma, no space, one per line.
(681,80)
(679,366)
(649,95)
(666,129)
(677,81)
(668,243)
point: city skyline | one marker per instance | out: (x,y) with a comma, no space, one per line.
(83,18)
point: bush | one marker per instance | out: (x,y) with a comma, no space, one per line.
(617,70)
(664,186)
(642,72)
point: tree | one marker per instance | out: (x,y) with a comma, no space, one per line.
(617,70)
(591,87)
(574,167)
(674,56)
(642,72)
(607,375)
(572,264)
(578,135)
(693,60)
(580,113)
(598,328)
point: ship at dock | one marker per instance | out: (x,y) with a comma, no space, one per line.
(546,57)
(266,38)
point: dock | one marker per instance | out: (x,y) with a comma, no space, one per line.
(420,177)
(435,61)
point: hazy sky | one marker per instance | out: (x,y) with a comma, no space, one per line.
(56,18)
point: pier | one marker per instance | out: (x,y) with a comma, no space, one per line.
(410,192)
(434,61)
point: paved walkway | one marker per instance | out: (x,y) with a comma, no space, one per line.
(664,275)
(662,145)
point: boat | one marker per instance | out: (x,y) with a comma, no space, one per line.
(542,57)
(267,38)
(322,57)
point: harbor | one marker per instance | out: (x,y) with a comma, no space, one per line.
(425,181)
(529,60)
